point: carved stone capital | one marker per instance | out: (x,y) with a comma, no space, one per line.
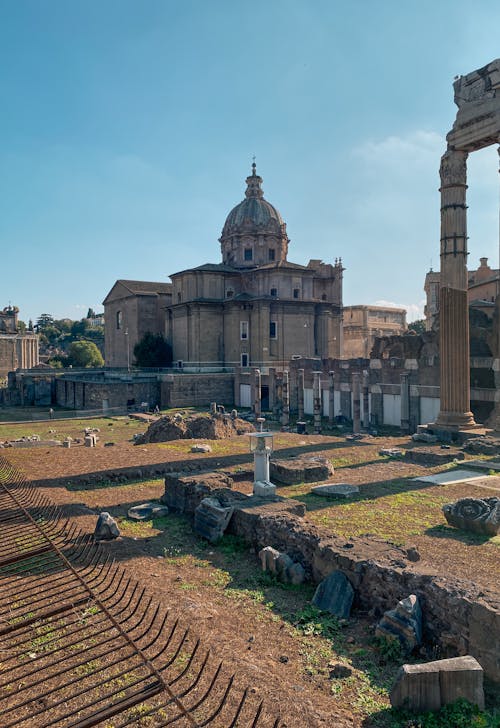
(453,170)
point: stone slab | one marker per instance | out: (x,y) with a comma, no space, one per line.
(449,478)
(335,490)
(335,595)
(484,464)
(146,511)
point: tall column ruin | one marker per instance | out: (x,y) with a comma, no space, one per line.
(477,125)
(455,411)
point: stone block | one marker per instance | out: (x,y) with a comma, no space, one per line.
(264,489)
(335,595)
(431,685)
(301,470)
(211,519)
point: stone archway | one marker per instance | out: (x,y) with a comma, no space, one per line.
(477,125)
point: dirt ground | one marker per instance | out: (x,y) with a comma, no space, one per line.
(266,632)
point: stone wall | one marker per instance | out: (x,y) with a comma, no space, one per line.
(197,390)
(458,618)
(79,393)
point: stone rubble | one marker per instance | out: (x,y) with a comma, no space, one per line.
(106,528)
(403,623)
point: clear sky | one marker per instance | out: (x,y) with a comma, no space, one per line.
(128,127)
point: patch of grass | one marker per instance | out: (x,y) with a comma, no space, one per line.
(311,621)
(460,714)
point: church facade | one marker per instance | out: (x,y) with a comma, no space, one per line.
(255,308)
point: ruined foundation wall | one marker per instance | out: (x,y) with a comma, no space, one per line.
(458,618)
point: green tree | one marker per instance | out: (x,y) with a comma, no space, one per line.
(21,326)
(153,350)
(417,326)
(85,354)
(44,320)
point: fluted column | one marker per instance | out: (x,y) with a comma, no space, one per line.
(453,305)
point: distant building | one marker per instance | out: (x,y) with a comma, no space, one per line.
(483,289)
(18,350)
(362,324)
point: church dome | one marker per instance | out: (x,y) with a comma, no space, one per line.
(253,220)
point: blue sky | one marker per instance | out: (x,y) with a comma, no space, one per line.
(128,128)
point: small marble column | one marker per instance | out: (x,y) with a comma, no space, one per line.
(455,411)
(366,401)
(285,414)
(331,398)
(356,404)
(300,395)
(257,389)
(317,402)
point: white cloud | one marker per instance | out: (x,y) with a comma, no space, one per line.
(414,311)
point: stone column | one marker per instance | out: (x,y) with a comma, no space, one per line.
(494,418)
(331,398)
(300,395)
(256,394)
(455,411)
(356,404)
(366,401)
(285,416)
(405,402)
(317,402)
(272,388)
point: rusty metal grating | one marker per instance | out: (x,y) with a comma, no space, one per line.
(82,645)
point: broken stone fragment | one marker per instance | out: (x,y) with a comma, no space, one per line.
(146,511)
(201,448)
(431,685)
(403,623)
(106,528)
(481,515)
(211,519)
(335,595)
(282,565)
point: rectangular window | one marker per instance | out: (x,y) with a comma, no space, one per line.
(272,254)
(273,330)
(274,292)
(296,292)
(118,319)
(248,254)
(243,330)
(244,360)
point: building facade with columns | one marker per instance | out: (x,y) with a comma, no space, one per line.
(18,349)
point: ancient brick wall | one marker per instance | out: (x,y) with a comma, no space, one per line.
(197,390)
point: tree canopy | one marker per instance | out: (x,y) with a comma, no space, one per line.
(84,354)
(153,350)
